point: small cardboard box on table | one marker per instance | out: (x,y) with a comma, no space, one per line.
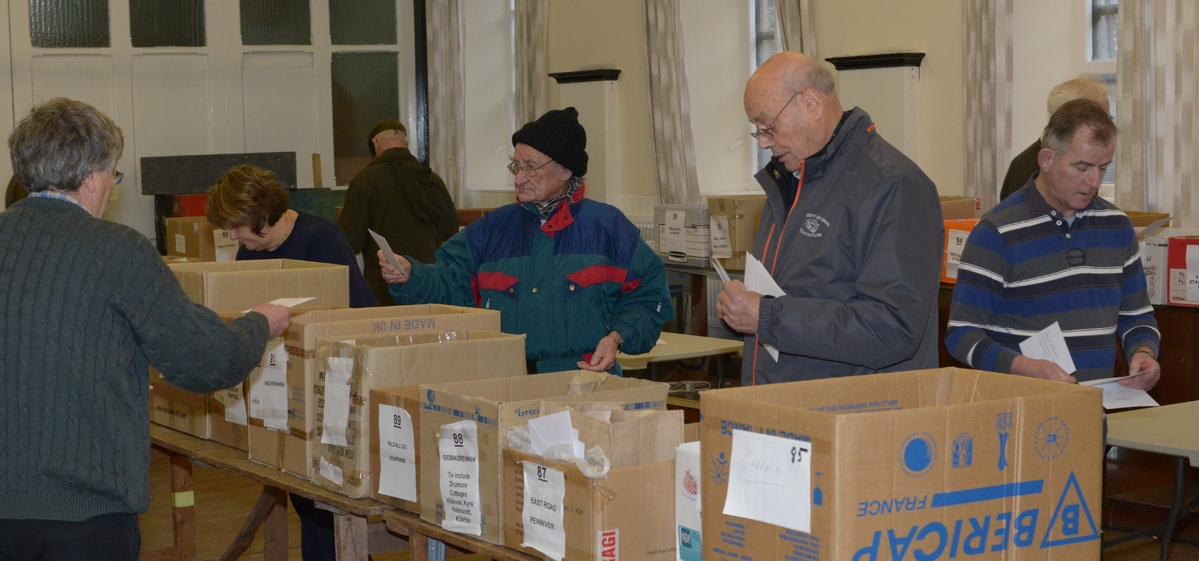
(194,239)
(230,288)
(470,450)
(291,450)
(932,464)
(552,508)
(348,370)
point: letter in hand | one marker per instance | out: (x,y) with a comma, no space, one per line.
(1143,361)
(1043,369)
(277,316)
(390,273)
(739,307)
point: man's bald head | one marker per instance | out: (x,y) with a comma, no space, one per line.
(792,101)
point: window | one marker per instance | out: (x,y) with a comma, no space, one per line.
(765,46)
(167,23)
(68,23)
(1104,27)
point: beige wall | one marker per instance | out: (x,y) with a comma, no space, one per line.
(934,27)
(589,34)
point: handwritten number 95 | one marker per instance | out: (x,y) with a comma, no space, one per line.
(796,454)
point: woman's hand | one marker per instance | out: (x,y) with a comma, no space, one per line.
(391,274)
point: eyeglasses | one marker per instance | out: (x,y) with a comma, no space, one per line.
(117,177)
(768,132)
(530,171)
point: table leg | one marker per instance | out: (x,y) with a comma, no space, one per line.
(353,538)
(418,545)
(274,536)
(720,360)
(699,306)
(1176,508)
(185,509)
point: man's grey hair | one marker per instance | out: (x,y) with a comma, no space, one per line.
(1085,86)
(59,144)
(1073,116)
(817,77)
(391,133)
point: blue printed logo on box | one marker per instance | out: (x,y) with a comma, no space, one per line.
(691,547)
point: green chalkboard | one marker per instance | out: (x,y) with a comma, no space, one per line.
(320,202)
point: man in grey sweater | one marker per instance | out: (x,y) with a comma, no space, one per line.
(86,305)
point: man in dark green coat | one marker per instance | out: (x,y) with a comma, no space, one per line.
(399,198)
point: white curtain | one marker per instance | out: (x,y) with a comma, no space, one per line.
(447,112)
(670,105)
(987,77)
(532,60)
(1157,165)
(797,30)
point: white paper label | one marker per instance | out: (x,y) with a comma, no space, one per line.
(331,472)
(337,401)
(254,392)
(397,453)
(272,396)
(675,239)
(235,405)
(953,251)
(180,243)
(770,480)
(721,246)
(1192,286)
(459,451)
(226,248)
(545,488)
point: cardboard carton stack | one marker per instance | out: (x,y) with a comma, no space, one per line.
(348,370)
(193,239)
(231,288)
(683,232)
(960,208)
(1155,253)
(291,450)
(465,423)
(956,233)
(733,222)
(943,463)
(626,514)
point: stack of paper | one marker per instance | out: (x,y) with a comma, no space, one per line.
(554,430)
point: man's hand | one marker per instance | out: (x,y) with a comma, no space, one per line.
(278,317)
(1043,369)
(605,354)
(1142,361)
(390,274)
(738,307)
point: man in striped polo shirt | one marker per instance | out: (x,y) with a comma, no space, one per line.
(1054,252)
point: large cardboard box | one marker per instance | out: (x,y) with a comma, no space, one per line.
(733,224)
(399,452)
(959,208)
(956,233)
(939,464)
(194,238)
(291,450)
(235,286)
(200,415)
(1183,260)
(490,407)
(683,231)
(341,447)
(627,514)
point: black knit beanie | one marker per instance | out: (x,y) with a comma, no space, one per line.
(559,135)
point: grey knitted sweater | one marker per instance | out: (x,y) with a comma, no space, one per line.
(85,306)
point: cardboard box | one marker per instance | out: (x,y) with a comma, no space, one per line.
(194,238)
(627,514)
(200,415)
(382,361)
(956,232)
(292,451)
(1183,260)
(1142,219)
(733,224)
(408,399)
(684,224)
(958,208)
(235,286)
(689,545)
(495,405)
(1155,251)
(948,463)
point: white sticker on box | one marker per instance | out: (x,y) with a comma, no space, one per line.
(226,247)
(545,489)
(331,472)
(953,251)
(337,401)
(273,389)
(459,454)
(770,480)
(675,239)
(721,246)
(254,392)
(180,243)
(1192,274)
(235,405)
(397,453)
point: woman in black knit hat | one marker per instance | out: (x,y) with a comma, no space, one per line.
(570,273)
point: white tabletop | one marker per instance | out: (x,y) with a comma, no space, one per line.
(676,346)
(1170,429)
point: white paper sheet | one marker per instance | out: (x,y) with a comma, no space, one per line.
(272,396)
(235,405)
(180,243)
(757,279)
(1119,396)
(953,251)
(553,430)
(331,472)
(674,240)
(459,453)
(397,453)
(1152,229)
(723,274)
(770,480)
(288,302)
(1049,345)
(1103,381)
(226,248)
(545,489)
(719,228)
(387,252)
(1192,290)
(254,392)
(337,401)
